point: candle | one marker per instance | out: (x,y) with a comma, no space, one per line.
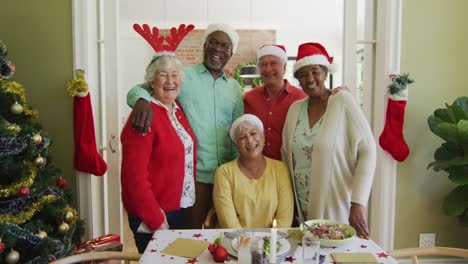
(274,234)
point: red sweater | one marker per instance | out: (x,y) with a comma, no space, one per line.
(153,167)
(272,113)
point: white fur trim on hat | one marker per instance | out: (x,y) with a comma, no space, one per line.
(314,60)
(230,31)
(272,50)
(245,118)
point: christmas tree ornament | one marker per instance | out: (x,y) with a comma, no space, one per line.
(12,257)
(62,183)
(16,109)
(2,246)
(63,228)
(392,139)
(68,217)
(24,191)
(37,139)
(39,161)
(87,158)
(42,234)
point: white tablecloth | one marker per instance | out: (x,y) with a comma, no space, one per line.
(162,238)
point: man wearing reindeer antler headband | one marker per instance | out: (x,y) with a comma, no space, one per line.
(211,101)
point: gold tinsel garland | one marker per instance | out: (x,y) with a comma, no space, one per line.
(25,216)
(78,84)
(73,211)
(25,182)
(15,88)
(30,112)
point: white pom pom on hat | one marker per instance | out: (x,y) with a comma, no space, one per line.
(230,31)
(313,53)
(273,49)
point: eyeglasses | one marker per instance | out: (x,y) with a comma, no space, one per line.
(215,44)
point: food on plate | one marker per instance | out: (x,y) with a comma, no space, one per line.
(329,231)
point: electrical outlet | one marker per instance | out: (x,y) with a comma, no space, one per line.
(427,240)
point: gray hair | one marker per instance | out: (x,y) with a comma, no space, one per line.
(161,63)
(244,121)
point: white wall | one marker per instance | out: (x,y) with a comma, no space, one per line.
(295,22)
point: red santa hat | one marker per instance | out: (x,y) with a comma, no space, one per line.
(230,31)
(273,49)
(313,54)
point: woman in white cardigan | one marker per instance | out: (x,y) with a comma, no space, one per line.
(328,146)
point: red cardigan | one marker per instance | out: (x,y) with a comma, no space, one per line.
(153,167)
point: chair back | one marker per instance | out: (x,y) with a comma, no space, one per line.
(429,251)
(103,255)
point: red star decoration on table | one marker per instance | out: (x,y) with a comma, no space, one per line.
(192,261)
(363,246)
(197,235)
(153,251)
(382,255)
(290,259)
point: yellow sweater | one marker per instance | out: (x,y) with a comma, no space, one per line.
(241,202)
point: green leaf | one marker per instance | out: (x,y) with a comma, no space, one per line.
(444,164)
(448,132)
(456,202)
(458,175)
(448,151)
(442,114)
(457,113)
(463,103)
(434,122)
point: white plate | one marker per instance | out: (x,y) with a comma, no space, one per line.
(283,242)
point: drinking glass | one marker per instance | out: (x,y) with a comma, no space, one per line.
(310,250)
(243,247)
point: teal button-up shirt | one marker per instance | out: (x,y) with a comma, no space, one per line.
(210,106)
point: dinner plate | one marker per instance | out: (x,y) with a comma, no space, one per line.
(331,242)
(226,242)
(283,242)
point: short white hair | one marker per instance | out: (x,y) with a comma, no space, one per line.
(243,122)
(162,63)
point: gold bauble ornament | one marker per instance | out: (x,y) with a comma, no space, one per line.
(37,138)
(63,228)
(68,217)
(39,161)
(16,108)
(13,257)
(42,234)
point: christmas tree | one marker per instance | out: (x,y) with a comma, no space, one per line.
(37,223)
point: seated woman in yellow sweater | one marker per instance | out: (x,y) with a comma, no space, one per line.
(251,191)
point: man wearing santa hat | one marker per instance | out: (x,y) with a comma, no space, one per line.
(271,101)
(211,102)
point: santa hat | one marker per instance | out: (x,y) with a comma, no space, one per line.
(313,54)
(230,31)
(273,49)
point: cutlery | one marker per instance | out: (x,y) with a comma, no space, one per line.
(304,223)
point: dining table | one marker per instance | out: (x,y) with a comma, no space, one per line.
(161,239)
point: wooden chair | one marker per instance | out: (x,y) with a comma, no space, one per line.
(103,255)
(429,251)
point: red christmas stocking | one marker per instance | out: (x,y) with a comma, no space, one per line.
(392,139)
(87,158)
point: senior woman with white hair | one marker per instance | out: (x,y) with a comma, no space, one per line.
(158,168)
(252,190)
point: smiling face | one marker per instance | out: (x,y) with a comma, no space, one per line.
(272,70)
(217,51)
(166,85)
(312,79)
(249,140)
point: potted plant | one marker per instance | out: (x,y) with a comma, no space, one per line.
(451,124)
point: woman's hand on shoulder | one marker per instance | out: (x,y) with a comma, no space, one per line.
(341,88)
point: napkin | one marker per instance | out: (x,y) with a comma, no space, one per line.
(187,248)
(296,234)
(354,258)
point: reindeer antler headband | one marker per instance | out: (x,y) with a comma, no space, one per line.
(157,42)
